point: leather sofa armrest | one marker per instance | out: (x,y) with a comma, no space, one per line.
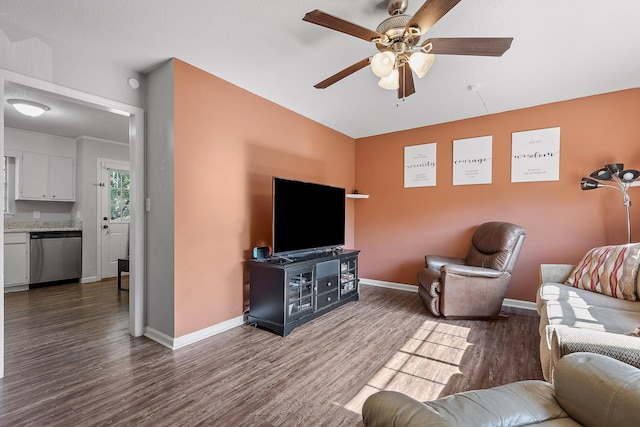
(470,271)
(390,408)
(555,273)
(566,340)
(515,404)
(435,262)
(598,391)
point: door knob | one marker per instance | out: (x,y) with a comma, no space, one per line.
(105,226)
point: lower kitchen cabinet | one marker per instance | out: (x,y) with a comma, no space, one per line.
(16,261)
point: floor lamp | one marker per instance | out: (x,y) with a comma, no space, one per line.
(616,173)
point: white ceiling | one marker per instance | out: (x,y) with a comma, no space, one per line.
(561,50)
(65,117)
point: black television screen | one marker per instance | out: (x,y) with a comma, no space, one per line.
(306,216)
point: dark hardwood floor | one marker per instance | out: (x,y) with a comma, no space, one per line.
(70,361)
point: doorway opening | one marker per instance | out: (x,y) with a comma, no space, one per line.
(136,201)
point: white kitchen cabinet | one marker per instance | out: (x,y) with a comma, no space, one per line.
(16,260)
(62,178)
(45,177)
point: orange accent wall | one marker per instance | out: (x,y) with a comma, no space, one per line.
(397,226)
(228,144)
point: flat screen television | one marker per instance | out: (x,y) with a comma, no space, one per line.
(306,216)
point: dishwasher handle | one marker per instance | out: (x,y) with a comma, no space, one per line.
(54,234)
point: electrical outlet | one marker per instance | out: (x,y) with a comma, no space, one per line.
(36,214)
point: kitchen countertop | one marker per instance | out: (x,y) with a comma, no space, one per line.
(40,229)
(15,226)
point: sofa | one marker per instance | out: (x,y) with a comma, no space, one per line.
(589,390)
(574,319)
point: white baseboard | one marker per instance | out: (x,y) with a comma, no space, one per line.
(390,285)
(185,340)
(514,303)
(89,279)
(158,337)
(17,288)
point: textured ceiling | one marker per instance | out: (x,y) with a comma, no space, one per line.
(561,50)
(65,118)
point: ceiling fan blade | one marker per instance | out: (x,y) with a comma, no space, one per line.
(406,87)
(430,13)
(469,46)
(323,19)
(342,74)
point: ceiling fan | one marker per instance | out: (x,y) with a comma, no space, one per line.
(397,39)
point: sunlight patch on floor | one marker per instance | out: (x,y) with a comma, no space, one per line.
(422,367)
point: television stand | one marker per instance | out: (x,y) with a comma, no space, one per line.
(289,294)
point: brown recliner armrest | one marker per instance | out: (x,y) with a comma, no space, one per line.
(467,270)
(435,262)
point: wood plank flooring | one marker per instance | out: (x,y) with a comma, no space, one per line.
(71,362)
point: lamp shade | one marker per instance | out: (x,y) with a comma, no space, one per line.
(391,82)
(614,168)
(602,174)
(382,63)
(421,62)
(589,184)
(629,175)
(28,108)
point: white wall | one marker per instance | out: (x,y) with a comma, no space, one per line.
(160,220)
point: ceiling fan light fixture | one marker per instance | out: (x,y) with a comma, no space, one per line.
(391,82)
(28,108)
(421,62)
(382,63)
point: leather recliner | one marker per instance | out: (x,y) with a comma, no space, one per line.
(473,287)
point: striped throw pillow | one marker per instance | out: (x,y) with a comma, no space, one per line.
(609,270)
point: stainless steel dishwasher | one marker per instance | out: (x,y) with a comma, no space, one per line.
(56,257)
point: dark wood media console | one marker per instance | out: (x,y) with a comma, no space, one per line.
(285,293)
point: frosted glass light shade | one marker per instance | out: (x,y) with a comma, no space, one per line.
(391,82)
(421,62)
(382,63)
(28,108)
(629,175)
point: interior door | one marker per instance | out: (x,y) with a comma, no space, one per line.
(115,214)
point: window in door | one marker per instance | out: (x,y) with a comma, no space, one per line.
(119,192)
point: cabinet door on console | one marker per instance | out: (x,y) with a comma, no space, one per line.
(299,292)
(348,276)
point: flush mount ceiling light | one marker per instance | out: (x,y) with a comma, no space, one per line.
(28,108)
(398,37)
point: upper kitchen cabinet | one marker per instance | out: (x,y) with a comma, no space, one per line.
(45,165)
(45,177)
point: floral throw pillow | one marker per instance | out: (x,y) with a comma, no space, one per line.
(609,270)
